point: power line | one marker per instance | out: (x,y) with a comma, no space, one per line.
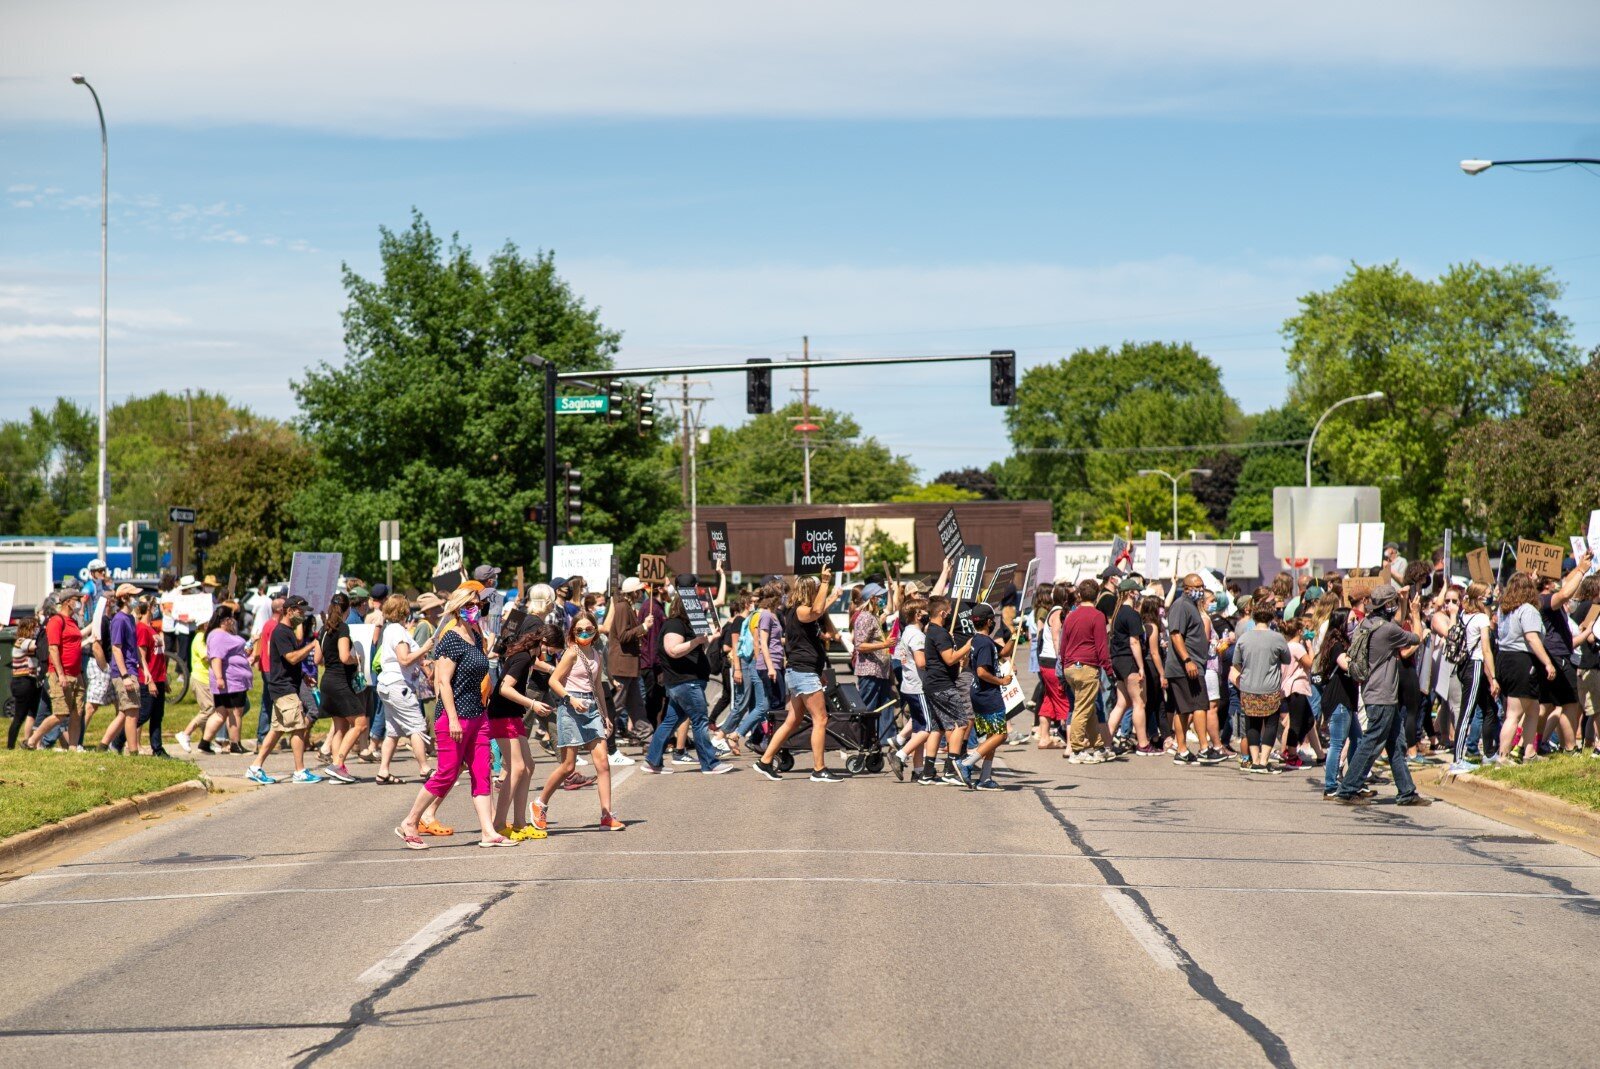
(1063,451)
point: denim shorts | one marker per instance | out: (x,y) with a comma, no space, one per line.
(579,729)
(801,683)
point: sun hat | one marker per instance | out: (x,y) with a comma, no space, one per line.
(632,585)
(125,589)
(429,600)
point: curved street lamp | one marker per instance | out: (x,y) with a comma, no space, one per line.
(105,167)
(1173,479)
(1375,395)
(1480,166)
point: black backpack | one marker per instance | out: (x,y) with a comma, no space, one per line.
(1361,653)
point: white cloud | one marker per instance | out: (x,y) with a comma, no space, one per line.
(416,66)
(21,188)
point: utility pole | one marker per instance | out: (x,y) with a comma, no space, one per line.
(805,411)
(689,412)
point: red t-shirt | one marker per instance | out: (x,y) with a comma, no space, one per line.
(264,648)
(155,653)
(63,632)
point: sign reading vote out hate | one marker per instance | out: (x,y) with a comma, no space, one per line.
(1540,558)
(718,548)
(695,607)
(818,544)
(950,540)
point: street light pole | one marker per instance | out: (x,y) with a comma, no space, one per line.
(101,504)
(1173,479)
(1375,395)
(549,368)
(1480,166)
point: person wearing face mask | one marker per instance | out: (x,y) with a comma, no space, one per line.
(624,629)
(1185,663)
(579,721)
(288,644)
(336,660)
(871,652)
(802,625)
(685,670)
(1382,725)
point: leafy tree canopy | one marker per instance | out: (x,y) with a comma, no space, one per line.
(1144,503)
(761,462)
(937,491)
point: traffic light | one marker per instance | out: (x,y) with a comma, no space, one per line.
(613,400)
(758,387)
(647,414)
(574,488)
(206,539)
(1002,377)
(534,514)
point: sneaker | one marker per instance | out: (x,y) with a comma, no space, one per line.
(1245,764)
(1266,770)
(183,741)
(717,769)
(1415,800)
(825,775)
(684,759)
(305,775)
(654,770)
(1212,756)
(1080,757)
(950,779)
(1148,751)
(988,785)
(964,771)
(338,774)
(721,745)
(1353,800)
(205,747)
(257,774)
(235,748)
(1461,768)
(1366,792)
(898,763)
(582,761)
(1293,762)
(577,782)
(610,823)
(618,759)
(1185,757)
(541,817)
(764,769)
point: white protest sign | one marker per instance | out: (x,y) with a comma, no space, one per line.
(315,577)
(193,609)
(361,645)
(451,553)
(1594,540)
(1360,545)
(8,598)
(1152,553)
(591,560)
(1012,691)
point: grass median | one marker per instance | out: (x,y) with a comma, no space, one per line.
(1572,778)
(41,788)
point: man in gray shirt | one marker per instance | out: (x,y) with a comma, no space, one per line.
(1186,660)
(1380,698)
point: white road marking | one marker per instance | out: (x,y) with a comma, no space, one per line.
(881,881)
(441,927)
(1154,943)
(549,854)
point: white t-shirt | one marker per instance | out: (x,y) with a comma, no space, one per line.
(389,671)
(911,640)
(1475,623)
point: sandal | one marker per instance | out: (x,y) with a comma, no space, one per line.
(387,779)
(413,842)
(433,827)
(494,841)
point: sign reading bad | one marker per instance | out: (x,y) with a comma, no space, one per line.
(818,544)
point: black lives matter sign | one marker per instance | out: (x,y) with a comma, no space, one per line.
(818,544)
(718,549)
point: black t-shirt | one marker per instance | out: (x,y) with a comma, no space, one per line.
(1338,689)
(336,675)
(986,696)
(1106,603)
(1557,636)
(1589,652)
(514,668)
(938,675)
(283,678)
(802,643)
(675,670)
(1126,628)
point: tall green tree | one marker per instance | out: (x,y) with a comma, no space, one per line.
(1144,503)
(1448,354)
(761,462)
(1071,413)
(243,488)
(434,418)
(1269,467)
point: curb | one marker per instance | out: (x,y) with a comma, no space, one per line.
(16,849)
(1501,801)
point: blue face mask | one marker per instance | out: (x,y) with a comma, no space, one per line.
(469,614)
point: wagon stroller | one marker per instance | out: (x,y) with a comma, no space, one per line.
(852,728)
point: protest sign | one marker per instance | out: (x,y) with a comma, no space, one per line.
(193,609)
(1001,575)
(717,550)
(361,638)
(1578,547)
(446,582)
(818,544)
(950,540)
(1594,540)
(652,568)
(1478,566)
(1357,587)
(315,577)
(451,555)
(967,575)
(1360,545)
(1120,550)
(1539,558)
(8,598)
(591,560)
(1152,553)
(1012,691)
(697,609)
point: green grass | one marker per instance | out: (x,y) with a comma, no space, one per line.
(1572,778)
(42,788)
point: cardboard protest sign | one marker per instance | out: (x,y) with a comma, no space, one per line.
(1478,566)
(818,544)
(313,576)
(717,550)
(1540,558)
(652,568)
(451,555)
(1357,587)
(697,609)
(1120,549)
(950,540)
(446,582)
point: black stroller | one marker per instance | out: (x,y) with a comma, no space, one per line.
(852,727)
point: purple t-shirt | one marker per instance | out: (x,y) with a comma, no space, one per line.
(125,637)
(770,631)
(230,668)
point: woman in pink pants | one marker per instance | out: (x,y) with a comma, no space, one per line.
(461,676)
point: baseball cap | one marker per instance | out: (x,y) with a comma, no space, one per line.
(1110,573)
(486,573)
(557,583)
(295,601)
(982,612)
(360,592)
(380,591)
(124,589)
(632,585)
(1128,584)
(1392,545)
(687,579)
(873,590)
(1384,594)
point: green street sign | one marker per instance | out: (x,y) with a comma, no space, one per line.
(582,404)
(147,553)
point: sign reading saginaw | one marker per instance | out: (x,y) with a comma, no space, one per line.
(818,544)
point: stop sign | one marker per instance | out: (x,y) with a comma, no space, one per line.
(852,559)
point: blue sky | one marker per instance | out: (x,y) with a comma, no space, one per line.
(890,178)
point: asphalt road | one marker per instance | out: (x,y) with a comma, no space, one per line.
(1137,913)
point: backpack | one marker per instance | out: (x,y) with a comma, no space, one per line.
(1361,654)
(747,639)
(1455,642)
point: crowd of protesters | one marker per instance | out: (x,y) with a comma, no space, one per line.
(1421,668)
